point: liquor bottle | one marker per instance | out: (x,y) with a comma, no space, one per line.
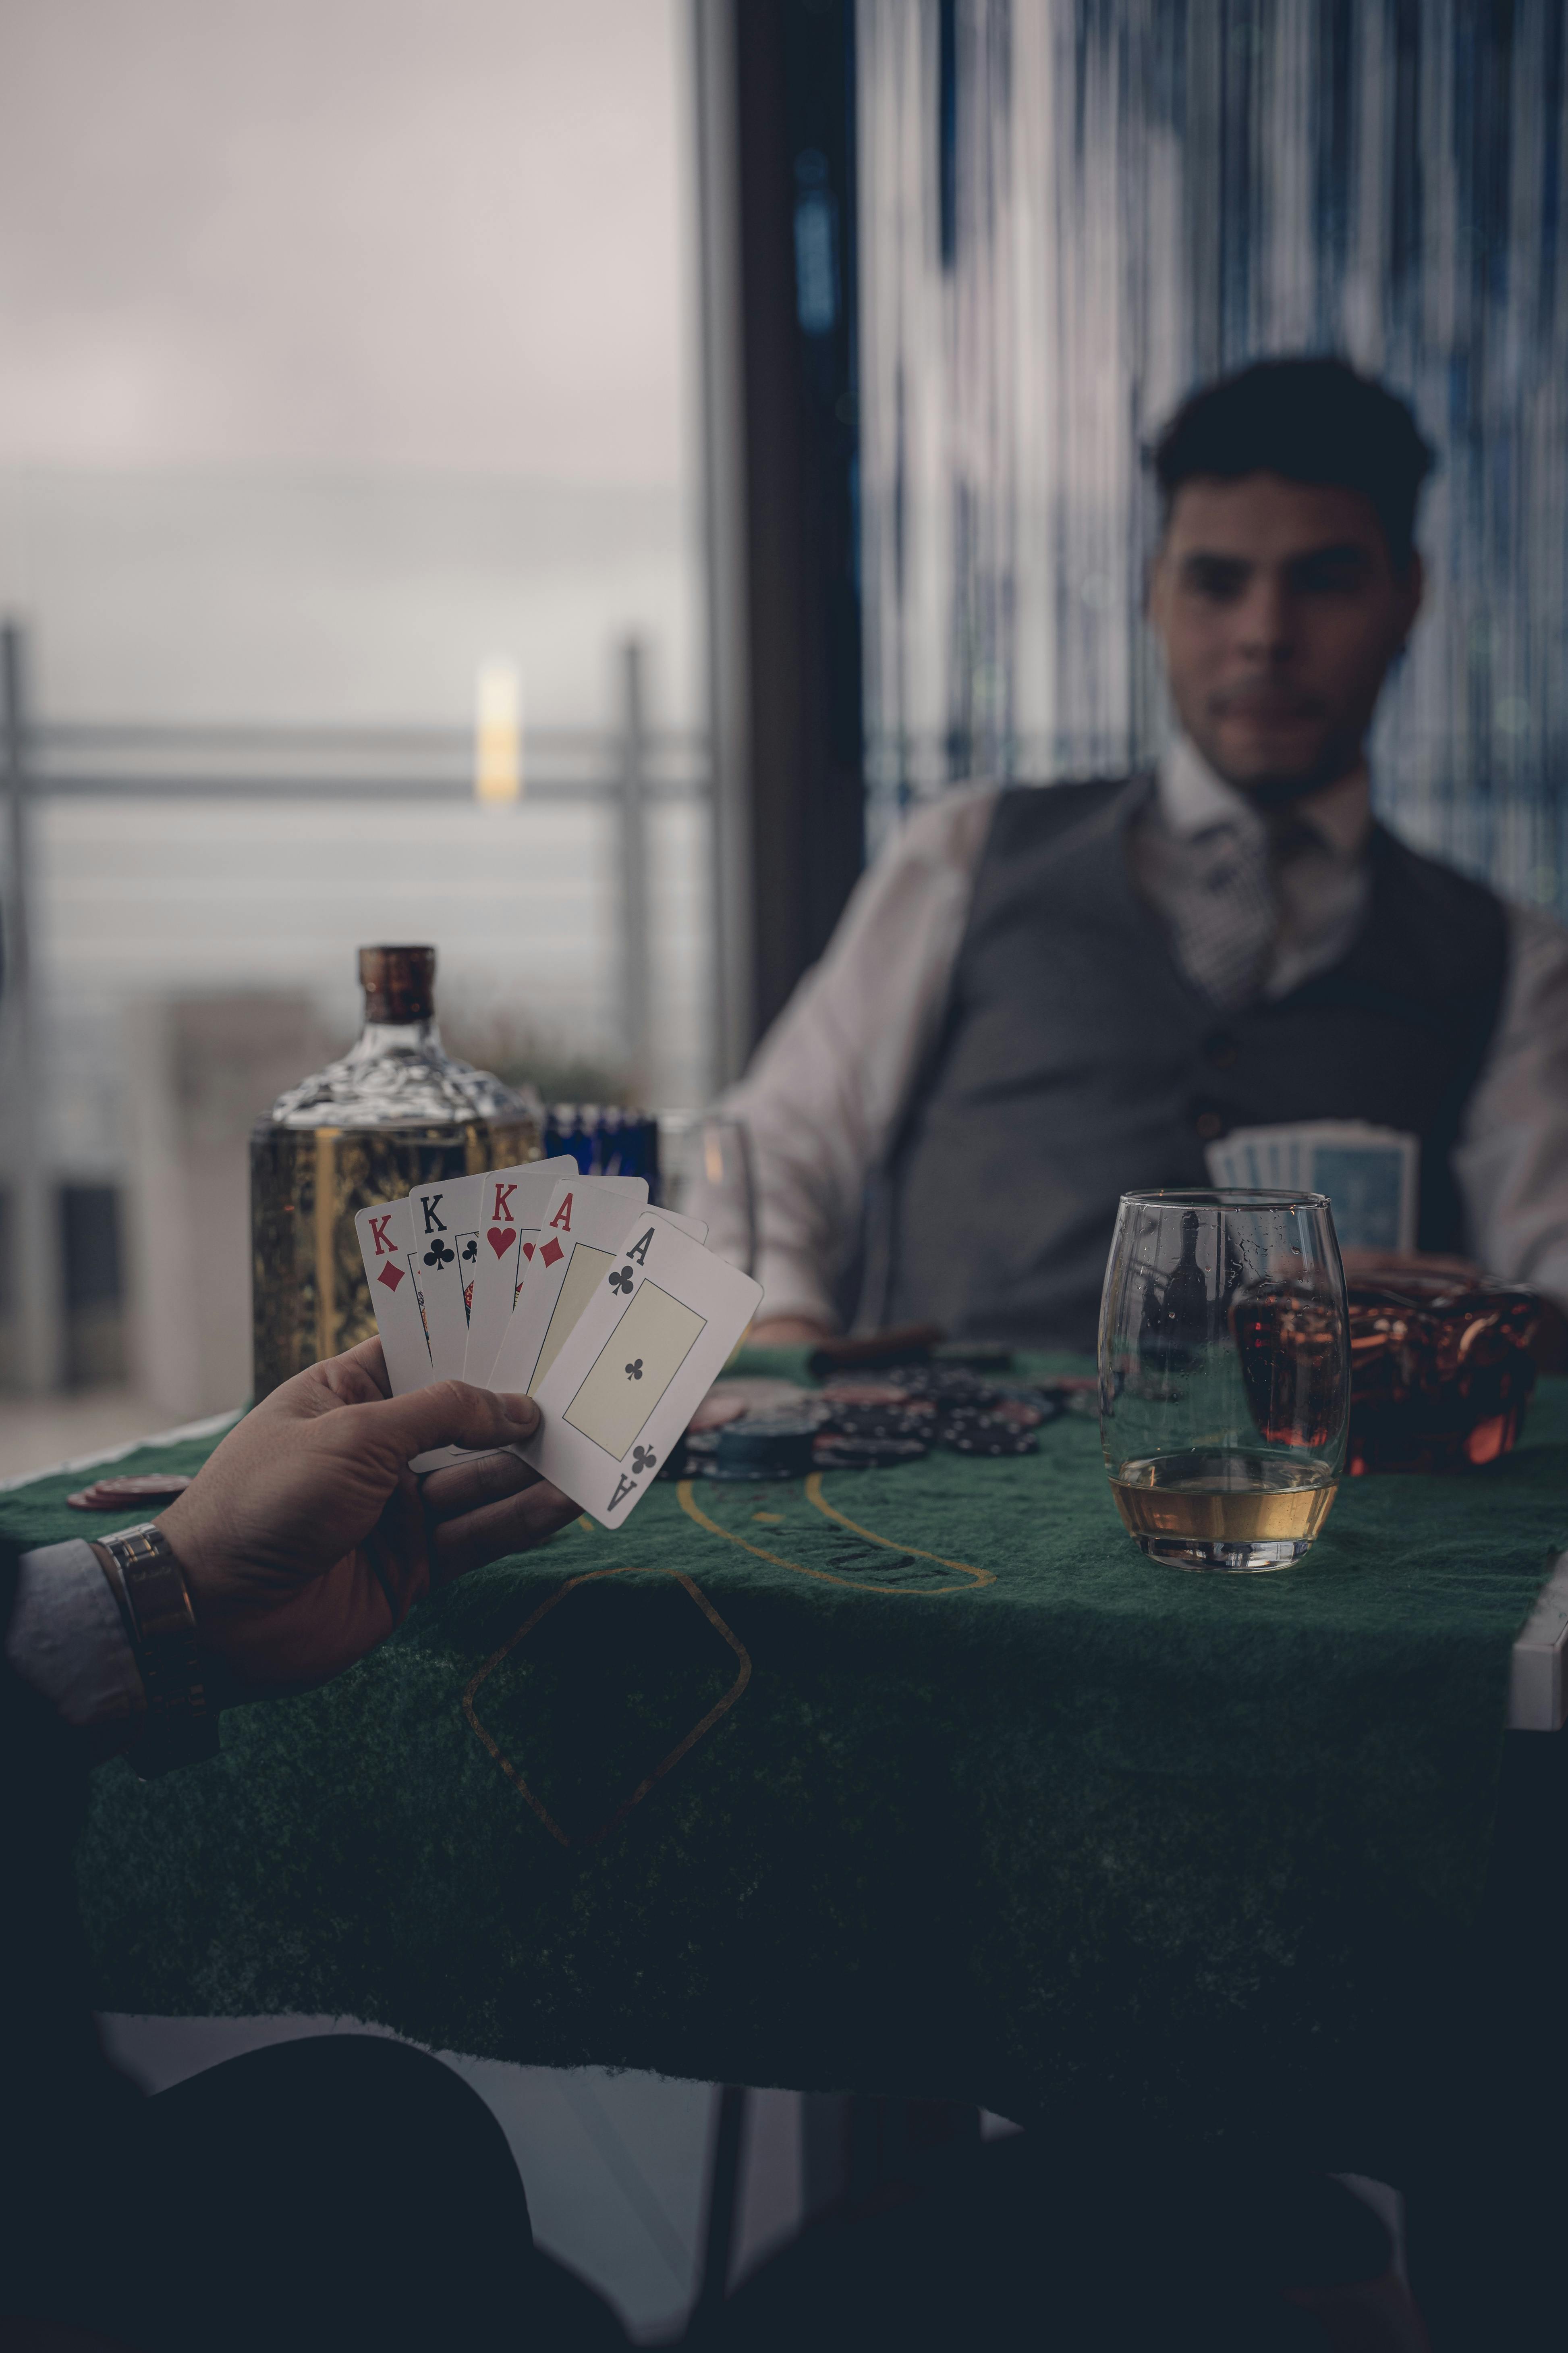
(395,1112)
(1175,1319)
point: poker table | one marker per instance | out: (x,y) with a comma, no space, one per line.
(919,1779)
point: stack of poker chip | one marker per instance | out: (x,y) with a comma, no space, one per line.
(770,1429)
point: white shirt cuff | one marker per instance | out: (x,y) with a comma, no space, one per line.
(67,1639)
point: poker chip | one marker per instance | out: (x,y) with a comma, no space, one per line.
(858,1389)
(715,1410)
(760,1395)
(987,1434)
(834,1453)
(120,1494)
(763,1450)
(1029,1411)
(1077,1393)
(899,1420)
(946,1385)
(972,1355)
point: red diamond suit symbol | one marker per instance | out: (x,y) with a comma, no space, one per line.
(552,1252)
(392,1275)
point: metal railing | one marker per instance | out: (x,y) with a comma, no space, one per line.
(627,768)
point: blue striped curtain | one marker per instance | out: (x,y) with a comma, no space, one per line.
(1070,211)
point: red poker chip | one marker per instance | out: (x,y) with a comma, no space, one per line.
(715,1412)
(140,1487)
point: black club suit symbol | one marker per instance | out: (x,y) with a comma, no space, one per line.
(470,1249)
(643,1459)
(634,1371)
(438,1255)
(622,1281)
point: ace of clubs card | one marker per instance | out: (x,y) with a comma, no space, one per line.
(386,1245)
(583,1220)
(512,1203)
(648,1344)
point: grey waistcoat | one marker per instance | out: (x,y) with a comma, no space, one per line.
(1075,1061)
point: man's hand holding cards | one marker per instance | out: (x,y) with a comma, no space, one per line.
(616,1328)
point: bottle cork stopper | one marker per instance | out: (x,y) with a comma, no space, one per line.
(399,984)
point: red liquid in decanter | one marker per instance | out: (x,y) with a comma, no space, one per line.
(1441,1370)
(1291,1346)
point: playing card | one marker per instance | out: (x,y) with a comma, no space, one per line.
(386,1245)
(1371,1175)
(512,1203)
(445,1219)
(654,1334)
(583,1221)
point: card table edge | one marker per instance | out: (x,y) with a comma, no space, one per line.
(1538,1680)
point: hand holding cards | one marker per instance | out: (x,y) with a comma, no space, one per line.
(559,1274)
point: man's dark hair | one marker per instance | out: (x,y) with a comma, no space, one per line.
(1311,420)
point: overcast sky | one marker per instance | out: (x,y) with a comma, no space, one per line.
(407,233)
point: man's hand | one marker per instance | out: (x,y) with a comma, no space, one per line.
(305,1538)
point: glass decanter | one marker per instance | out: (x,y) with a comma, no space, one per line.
(396,1111)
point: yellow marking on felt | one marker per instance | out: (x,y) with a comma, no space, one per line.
(693,1509)
(584,1522)
(814,1495)
(721,1707)
(775,1517)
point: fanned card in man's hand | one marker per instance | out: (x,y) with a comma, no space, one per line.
(653,1333)
(583,1220)
(512,1203)
(385,1233)
(445,1217)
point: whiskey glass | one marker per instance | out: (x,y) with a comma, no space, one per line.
(1223,1375)
(706,1169)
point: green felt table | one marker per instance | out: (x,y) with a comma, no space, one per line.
(924,1780)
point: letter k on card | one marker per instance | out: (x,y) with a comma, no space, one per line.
(513,1202)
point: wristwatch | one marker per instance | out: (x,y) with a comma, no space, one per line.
(149,1587)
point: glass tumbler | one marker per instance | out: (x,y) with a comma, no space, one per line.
(1223,1375)
(705,1170)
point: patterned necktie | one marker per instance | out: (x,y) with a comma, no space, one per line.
(1223,912)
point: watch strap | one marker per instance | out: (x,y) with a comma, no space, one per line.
(180,1728)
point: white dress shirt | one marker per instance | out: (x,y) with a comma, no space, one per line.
(828,1086)
(67,1640)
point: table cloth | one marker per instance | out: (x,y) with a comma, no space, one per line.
(919,1779)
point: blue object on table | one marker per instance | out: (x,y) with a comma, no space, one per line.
(605,1141)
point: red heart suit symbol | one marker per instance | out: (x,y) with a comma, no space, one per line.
(501,1239)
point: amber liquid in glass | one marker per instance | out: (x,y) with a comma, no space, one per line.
(1251,1502)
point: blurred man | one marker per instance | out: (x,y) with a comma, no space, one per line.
(1037,999)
